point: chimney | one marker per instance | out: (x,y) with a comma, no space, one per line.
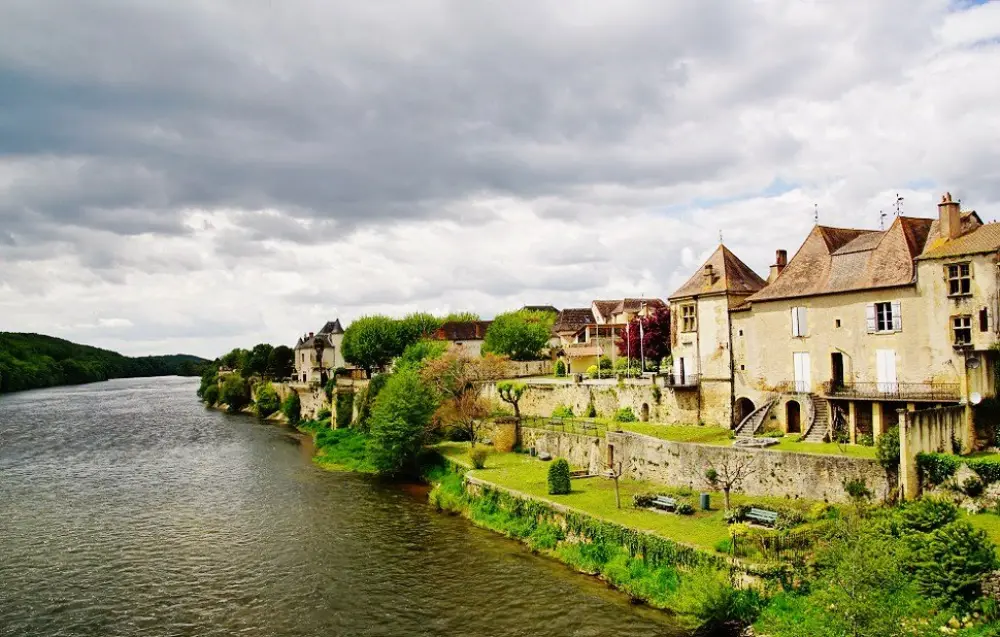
(950,217)
(311,334)
(780,261)
(709,273)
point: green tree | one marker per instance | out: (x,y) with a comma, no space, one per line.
(371,342)
(280,363)
(416,353)
(366,400)
(291,406)
(558,478)
(211,395)
(952,560)
(416,326)
(511,392)
(521,335)
(400,422)
(235,392)
(257,359)
(460,317)
(268,401)
(238,360)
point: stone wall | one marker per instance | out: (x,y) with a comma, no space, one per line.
(520,369)
(676,464)
(311,397)
(648,401)
(927,431)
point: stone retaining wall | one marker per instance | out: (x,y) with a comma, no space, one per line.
(678,464)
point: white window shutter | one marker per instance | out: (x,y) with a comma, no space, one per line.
(897,317)
(803,328)
(795,322)
(870,317)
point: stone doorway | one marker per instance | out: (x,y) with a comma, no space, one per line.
(793,417)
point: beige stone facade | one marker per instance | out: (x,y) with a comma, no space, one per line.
(308,366)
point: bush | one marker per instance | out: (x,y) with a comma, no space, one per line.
(291,406)
(323,413)
(935,468)
(559,477)
(592,371)
(210,395)
(972,487)
(866,440)
(591,410)
(546,537)
(887,449)
(708,595)
(235,393)
(345,409)
(562,411)
(772,433)
(857,489)
(987,470)
(329,388)
(604,363)
(478,458)
(643,500)
(625,414)
(560,369)
(399,423)
(952,561)
(627,367)
(685,509)
(267,400)
(367,398)
(927,514)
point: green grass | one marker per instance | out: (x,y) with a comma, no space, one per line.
(829,448)
(596,497)
(989,522)
(678,433)
(339,449)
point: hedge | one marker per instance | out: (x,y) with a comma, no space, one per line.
(936,468)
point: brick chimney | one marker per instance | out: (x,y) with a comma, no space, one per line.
(780,261)
(950,217)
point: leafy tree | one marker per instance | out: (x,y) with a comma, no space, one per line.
(237,360)
(511,392)
(416,353)
(291,406)
(655,340)
(235,392)
(268,401)
(371,342)
(211,395)
(280,363)
(257,359)
(416,326)
(952,561)
(458,380)
(521,335)
(558,478)
(461,317)
(400,421)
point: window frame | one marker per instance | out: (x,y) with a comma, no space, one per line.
(689,318)
(957,325)
(959,279)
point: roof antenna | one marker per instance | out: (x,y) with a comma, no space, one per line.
(881,220)
(899,205)
(816,213)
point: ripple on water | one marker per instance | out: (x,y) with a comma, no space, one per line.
(126,508)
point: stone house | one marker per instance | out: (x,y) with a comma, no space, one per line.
(586,334)
(328,341)
(465,337)
(857,325)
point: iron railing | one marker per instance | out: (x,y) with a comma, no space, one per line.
(894,391)
(680,381)
(567,425)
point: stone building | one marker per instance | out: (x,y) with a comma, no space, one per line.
(465,337)
(857,325)
(310,368)
(586,334)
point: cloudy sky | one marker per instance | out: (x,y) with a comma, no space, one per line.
(192,175)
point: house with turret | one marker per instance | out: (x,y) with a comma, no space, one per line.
(319,354)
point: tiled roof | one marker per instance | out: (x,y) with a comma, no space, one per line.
(847,259)
(572,318)
(331,327)
(605,308)
(462,331)
(984,239)
(729,276)
(634,305)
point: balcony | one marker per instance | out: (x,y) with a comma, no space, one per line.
(681,381)
(945,392)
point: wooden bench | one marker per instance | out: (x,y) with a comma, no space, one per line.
(663,502)
(579,473)
(762,516)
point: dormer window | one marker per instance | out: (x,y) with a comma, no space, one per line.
(959,279)
(689,318)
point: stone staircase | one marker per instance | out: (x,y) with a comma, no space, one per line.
(752,423)
(819,427)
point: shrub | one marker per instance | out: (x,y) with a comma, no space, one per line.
(935,468)
(866,440)
(987,470)
(323,413)
(329,388)
(625,414)
(887,449)
(345,409)
(736,514)
(772,433)
(478,458)
(685,509)
(291,406)
(708,595)
(627,367)
(545,537)
(592,371)
(559,477)
(399,422)
(267,400)
(604,363)
(235,393)
(972,487)
(952,561)
(367,398)
(591,410)
(560,368)
(562,411)
(927,514)
(643,500)
(857,489)
(210,395)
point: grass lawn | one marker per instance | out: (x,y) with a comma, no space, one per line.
(677,433)
(832,448)
(596,496)
(989,522)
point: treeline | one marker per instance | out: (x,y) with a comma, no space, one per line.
(33,361)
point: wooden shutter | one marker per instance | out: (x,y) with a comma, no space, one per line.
(795,322)
(803,328)
(870,317)
(897,317)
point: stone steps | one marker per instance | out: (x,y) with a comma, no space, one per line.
(821,420)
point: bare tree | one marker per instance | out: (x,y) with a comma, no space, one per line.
(730,474)
(614,472)
(458,380)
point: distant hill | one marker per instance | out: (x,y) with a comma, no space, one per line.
(31,361)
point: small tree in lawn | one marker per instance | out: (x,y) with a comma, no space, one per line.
(614,472)
(458,382)
(730,474)
(558,477)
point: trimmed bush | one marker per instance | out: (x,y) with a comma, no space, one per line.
(562,411)
(593,371)
(972,487)
(559,477)
(935,468)
(591,410)
(560,369)
(604,362)
(625,414)
(478,458)
(987,470)
(291,406)
(685,509)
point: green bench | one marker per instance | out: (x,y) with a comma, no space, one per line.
(663,502)
(762,516)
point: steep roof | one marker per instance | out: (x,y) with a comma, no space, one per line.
(605,308)
(462,331)
(847,259)
(634,305)
(729,275)
(331,327)
(571,319)
(976,238)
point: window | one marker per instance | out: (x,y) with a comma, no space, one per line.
(689,318)
(837,323)
(798,321)
(984,320)
(883,318)
(959,279)
(962,328)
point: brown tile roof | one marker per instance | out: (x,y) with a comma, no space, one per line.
(462,331)
(606,308)
(729,276)
(634,305)
(846,259)
(978,240)
(572,318)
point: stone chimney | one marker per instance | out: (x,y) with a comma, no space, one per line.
(311,335)
(709,273)
(780,261)
(950,217)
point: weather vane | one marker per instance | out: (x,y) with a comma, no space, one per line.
(720,236)
(816,213)
(881,220)
(899,205)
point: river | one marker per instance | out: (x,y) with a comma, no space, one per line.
(127,508)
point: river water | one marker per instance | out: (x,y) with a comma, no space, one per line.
(127,508)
